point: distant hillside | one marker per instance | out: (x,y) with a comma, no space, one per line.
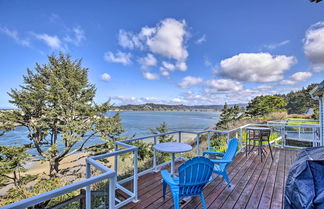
(165,107)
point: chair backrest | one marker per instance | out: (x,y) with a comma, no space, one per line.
(193,175)
(230,152)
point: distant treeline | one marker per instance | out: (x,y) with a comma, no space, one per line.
(300,102)
(165,107)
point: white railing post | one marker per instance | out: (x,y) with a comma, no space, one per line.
(116,160)
(88,189)
(135,175)
(198,145)
(208,140)
(241,138)
(179,137)
(154,155)
(228,136)
(315,144)
(112,192)
(284,138)
(299,130)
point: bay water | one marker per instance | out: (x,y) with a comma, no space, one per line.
(136,123)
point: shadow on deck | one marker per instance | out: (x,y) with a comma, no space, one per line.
(255,184)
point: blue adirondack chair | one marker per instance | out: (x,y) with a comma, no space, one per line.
(193,176)
(227,158)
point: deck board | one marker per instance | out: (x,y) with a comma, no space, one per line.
(255,184)
(277,195)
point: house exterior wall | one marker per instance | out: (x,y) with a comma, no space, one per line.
(321,112)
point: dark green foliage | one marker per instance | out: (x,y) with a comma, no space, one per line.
(12,161)
(218,142)
(262,105)
(298,102)
(56,104)
(145,150)
(166,107)
(163,128)
(41,185)
(228,114)
(315,115)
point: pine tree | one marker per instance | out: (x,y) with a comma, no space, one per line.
(262,105)
(12,162)
(228,114)
(56,104)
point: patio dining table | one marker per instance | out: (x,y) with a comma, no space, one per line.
(173,148)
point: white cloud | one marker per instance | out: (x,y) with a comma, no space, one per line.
(287,82)
(142,100)
(53,42)
(246,95)
(125,100)
(276,45)
(301,76)
(77,38)
(151,76)
(106,77)
(119,57)
(168,66)
(223,86)
(297,77)
(165,73)
(54,18)
(214,68)
(72,36)
(182,66)
(256,67)
(136,100)
(166,39)
(14,35)
(201,39)
(314,45)
(177,100)
(212,96)
(150,100)
(318,67)
(147,61)
(129,40)
(189,81)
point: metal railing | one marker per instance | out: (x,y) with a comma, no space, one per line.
(302,122)
(299,130)
(107,174)
(111,174)
(113,184)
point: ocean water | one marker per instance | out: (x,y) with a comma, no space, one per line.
(136,123)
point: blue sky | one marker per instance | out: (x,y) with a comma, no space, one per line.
(175,52)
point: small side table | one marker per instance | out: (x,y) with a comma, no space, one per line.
(259,135)
(173,148)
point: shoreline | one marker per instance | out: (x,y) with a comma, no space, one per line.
(77,161)
(196,110)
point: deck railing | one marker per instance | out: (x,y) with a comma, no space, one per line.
(107,174)
(282,130)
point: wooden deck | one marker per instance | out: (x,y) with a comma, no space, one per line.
(254,185)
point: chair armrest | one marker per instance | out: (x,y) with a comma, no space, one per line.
(166,176)
(212,153)
(221,161)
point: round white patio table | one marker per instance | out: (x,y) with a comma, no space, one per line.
(173,148)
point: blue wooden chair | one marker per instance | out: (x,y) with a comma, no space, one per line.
(227,158)
(193,176)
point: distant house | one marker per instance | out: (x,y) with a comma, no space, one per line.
(318,94)
(310,111)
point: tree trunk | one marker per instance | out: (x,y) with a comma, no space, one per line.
(15,178)
(54,167)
